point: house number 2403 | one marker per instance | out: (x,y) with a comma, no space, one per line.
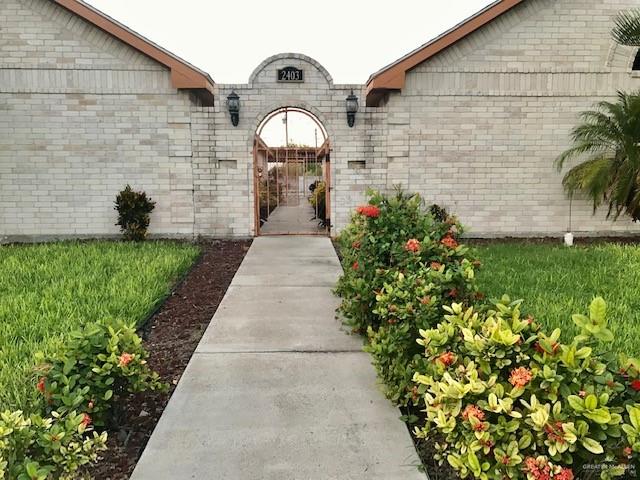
(290,74)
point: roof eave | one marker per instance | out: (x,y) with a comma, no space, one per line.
(392,77)
(183,74)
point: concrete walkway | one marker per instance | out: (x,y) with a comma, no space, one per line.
(292,219)
(275,390)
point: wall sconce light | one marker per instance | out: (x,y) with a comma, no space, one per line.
(352,108)
(233,105)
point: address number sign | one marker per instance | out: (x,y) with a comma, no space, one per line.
(290,74)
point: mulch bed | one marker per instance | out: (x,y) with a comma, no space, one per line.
(171,336)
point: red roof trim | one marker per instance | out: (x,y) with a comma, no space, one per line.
(392,77)
(183,74)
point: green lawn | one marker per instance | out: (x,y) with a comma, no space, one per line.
(48,290)
(556,281)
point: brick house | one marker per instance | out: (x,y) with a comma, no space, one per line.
(473,120)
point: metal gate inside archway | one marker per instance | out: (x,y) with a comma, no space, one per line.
(292,180)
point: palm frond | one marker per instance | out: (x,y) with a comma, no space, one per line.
(627,28)
(592,176)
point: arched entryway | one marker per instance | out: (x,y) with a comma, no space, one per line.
(291,160)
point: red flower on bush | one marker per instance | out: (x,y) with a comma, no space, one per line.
(520,377)
(355,265)
(125,359)
(541,469)
(435,265)
(635,385)
(447,358)
(412,245)
(356,245)
(472,411)
(565,474)
(86,420)
(449,241)
(370,211)
(41,385)
(628,451)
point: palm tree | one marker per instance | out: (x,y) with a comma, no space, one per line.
(610,138)
(627,28)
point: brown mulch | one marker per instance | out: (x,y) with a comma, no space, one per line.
(171,336)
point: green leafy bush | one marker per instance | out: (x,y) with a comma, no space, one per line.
(97,368)
(512,402)
(406,304)
(401,265)
(134,209)
(318,201)
(373,244)
(53,448)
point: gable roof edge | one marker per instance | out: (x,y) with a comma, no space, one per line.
(183,74)
(392,77)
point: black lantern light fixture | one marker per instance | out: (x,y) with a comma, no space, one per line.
(352,108)
(233,104)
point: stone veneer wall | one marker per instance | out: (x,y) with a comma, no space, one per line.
(478,126)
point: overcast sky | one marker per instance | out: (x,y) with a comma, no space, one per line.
(229,38)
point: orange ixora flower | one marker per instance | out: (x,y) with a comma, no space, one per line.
(472,411)
(356,245)
(520,377)
(447,358)
(355,265)
(435,265)
(449,241)
(86,420)
(125,359)
(41,385)
(370,211)
(412,245)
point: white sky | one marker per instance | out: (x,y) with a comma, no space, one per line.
(229,38)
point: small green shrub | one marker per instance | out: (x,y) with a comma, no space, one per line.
(134,209)
(512,402)
(318,201)
(36,448)
(97,368)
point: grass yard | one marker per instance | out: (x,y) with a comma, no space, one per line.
(48,290)
(556,281)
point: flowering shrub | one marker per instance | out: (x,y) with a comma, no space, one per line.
(514,403)
(401,266)
(46,448)
(389,233)
(407,304)
(98,366)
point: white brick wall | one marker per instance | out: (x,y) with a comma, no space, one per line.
(476,128)
(82,116)
(486,118)
(224,196)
